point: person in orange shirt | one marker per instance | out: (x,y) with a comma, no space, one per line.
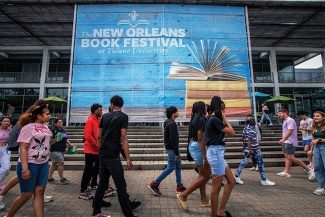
(91,150)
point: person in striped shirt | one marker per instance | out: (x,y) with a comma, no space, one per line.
(251,138)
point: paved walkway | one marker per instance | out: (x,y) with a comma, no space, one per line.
(290,197)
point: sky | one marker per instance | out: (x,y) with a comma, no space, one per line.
(313,63)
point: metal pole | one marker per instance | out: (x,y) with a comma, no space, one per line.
(250,62)
(71,65)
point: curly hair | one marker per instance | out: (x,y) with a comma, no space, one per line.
(170,111)
(94,107)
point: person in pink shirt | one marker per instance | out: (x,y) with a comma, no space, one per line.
(32,167)
(4,153)
(289,143)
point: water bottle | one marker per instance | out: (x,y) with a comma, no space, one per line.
(58,137)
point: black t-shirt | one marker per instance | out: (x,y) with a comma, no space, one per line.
(59,145)
(112,123)
(213,134)
(197,123)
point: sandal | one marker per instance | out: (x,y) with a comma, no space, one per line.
(227,214)
(183,203)
(205,205)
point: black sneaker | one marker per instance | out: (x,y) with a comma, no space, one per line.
(134,204)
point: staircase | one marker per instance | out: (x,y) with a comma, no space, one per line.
(148,152)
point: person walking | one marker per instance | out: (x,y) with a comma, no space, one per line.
(217,126)
(171,142)
(318,149)
(197,150)
(10,110)
(251,139)
(91,150)
(13,136)
(58,146)
(306,128)
(32,167)
(265,114)
(4,153)
(112,137)
(289,143)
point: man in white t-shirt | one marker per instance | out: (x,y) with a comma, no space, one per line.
(305,128)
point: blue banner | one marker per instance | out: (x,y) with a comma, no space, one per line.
(134,50)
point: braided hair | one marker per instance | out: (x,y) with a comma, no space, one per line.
(216,107)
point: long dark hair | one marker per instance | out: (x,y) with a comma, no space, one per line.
(198,110)
(216,107)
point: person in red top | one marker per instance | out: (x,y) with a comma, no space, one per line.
(91,150)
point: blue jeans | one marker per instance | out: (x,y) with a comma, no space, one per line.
(108,167)
(259,159)
(265,116)
(319,161)
(171,166)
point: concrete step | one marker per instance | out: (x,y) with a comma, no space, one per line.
(160,165)
(160,156)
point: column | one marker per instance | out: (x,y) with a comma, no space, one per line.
(45,68)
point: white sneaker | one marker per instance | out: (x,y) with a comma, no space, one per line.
(2,205)
(252,168)
(267,182)
(256,168)
(238,180)
(311,175)
(270,124)
(47,198)
(284,174)
(319,191)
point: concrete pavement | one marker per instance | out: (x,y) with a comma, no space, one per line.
(290,197)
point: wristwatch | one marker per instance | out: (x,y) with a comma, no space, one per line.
(319,140)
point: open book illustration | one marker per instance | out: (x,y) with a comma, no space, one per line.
(213,65)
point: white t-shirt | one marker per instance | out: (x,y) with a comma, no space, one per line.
(306,124)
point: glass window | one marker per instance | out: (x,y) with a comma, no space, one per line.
(261,69)
(59,70)
(20,99)
(58,107)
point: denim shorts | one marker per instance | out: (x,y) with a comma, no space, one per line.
(39,174)
(195,151)
(288,148)
(216,159)
(306,142)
